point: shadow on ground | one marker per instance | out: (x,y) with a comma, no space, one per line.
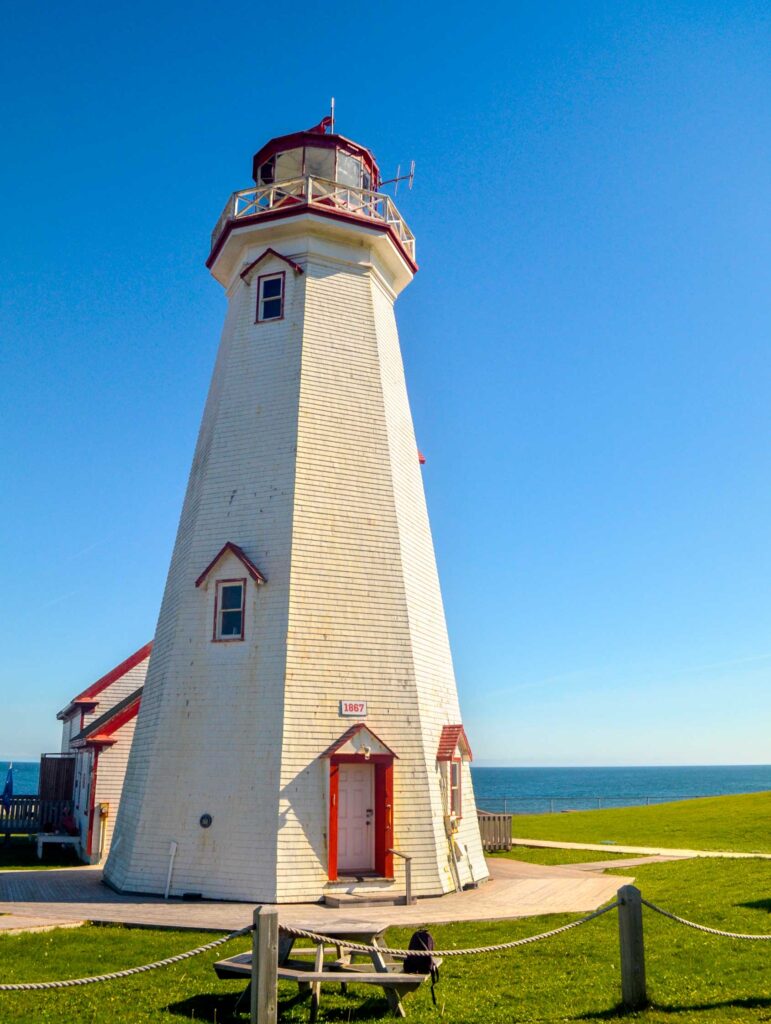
(757,905)
(233,1008)
(618,1012)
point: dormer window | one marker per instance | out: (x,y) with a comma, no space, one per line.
(270,297)
(229,610)
(453,750)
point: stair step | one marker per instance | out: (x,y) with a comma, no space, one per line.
(365,899)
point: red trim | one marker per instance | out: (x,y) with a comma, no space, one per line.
(282,296)
(321,211)
(86,697)
(296,140)
(271,252)
(234,549)
(334,796)
(384,826)
(452,736)
(229,639)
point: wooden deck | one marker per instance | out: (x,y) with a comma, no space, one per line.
(516,889)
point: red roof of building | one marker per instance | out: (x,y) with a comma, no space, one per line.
(453,736)
(101,731)
(234,549)
(349,734)
(89,695)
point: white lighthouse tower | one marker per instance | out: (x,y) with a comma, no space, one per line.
(300,717)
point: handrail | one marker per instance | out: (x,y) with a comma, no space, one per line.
(408,900)
(312,191)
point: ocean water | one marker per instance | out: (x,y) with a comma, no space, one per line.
(541,790)
(25,777)
(544,790)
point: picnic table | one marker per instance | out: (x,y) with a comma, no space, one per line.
(295,964)
(54,837)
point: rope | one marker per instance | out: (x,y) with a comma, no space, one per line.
(37,986)
(401,954)
(702,927)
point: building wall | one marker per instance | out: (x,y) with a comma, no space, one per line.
(209,730)
(306,458)
(116,691)
(110,778)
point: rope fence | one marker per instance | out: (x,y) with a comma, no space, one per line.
(402,954)
(38,986)
(265,946)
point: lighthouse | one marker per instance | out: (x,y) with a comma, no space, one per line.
(300,731)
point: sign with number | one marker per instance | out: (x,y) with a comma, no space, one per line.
(353,708)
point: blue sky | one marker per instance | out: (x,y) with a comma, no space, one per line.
(586,344)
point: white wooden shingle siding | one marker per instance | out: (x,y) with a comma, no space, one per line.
(306,459)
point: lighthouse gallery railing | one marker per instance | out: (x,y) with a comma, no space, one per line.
(282,195)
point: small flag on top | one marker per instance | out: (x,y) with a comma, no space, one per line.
(7,796)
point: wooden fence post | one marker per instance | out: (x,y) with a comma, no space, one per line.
(630,934)
(264,995)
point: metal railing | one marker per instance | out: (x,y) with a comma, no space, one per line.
(588,802)
(321,192)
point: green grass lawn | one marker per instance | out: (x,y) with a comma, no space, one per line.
(740,823)
(550,855)
(20,853)
(575,977)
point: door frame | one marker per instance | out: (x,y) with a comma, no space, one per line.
(384,801)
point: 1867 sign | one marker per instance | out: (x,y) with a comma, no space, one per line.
(353,708)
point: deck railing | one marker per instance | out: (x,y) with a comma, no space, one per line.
(28,814)
(321,192)
(495,830)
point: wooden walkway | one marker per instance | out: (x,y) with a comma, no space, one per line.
(515,889)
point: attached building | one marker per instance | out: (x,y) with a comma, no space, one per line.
(97,731)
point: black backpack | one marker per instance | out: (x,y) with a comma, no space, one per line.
(421,961)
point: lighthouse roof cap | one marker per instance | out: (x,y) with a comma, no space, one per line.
(319,140)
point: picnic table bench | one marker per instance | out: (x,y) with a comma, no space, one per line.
(387,974)
(52,837)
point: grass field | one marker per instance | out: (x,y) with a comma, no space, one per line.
(738,823)
(20,853)
(692,978)
(575,977)
(550,855)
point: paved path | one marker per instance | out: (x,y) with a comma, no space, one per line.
(663,851)
(515,889)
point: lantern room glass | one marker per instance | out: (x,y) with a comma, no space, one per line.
(325,162)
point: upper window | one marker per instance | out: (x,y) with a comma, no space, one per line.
(456,796)
(270,297)
(229,610)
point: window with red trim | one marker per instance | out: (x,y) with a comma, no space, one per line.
(456,788)
(270,297)
(229,610)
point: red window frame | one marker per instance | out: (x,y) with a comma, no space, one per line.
(216,638)
(263,277)
(456,792)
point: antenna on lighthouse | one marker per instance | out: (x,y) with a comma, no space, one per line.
(401,177)
(332,117)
